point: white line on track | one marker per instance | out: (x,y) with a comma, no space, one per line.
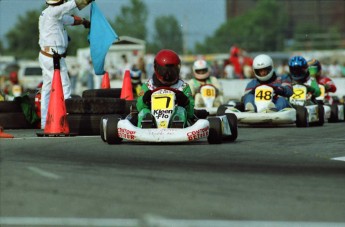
(157,222)
(339,158)
(43,173)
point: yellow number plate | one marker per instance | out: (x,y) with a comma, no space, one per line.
(299,93)
(263,94)
(208,92)
(162,101)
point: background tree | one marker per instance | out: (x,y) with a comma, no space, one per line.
(132,20)
(262,28)
(23,37)
(167,35)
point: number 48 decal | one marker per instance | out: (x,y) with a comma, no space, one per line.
(263,95)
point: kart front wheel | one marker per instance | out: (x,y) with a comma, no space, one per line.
(102,125)
(111,134)
(334,113)
(301,116)
(232,120)
(215,131)
(321,114)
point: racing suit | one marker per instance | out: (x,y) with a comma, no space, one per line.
(195,87)
(184,112)
(329,86)
(282,82)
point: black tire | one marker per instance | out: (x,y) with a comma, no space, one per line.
(215,131)
(221,110)
(232,119)
(95,106)
(102,93)
(321,114)
(301,116)
(334,113)
(102,124)
(84,124)
(14,121)
(111,134)
(10,107)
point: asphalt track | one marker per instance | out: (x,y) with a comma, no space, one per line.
(283,176)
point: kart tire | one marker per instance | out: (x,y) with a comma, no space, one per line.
(102,93)
(321,113)
(215,131)
(221,110)
(334,113)
(102,125)
(232,119)
(10,107)
(95,106)
(84,124)
(14,120)
(111,134)
(301,116)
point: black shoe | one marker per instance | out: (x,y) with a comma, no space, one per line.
(176,122)
(148,121)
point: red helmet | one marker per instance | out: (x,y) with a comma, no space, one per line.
(167,67)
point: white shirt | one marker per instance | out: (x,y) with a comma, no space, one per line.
(51,26)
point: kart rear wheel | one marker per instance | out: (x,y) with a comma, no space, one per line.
(301,116)
(334,113)
(111,134)
(232,119)
(221,110)
(215,131)
(102,127)
(321,113)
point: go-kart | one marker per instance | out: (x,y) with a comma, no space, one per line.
(208,94)
(216,129)
(334,111)
(306,108)
(262,115)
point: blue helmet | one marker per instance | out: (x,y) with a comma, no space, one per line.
(298,68)
(136,76)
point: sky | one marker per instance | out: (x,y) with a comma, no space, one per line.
(198,18)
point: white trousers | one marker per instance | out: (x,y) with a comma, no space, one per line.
(47,66)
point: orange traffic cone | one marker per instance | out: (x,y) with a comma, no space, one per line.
(5,135)
(126,91)
(56,124)
(105,81)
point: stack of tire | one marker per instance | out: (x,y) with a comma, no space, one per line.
(12,116)
(84,113)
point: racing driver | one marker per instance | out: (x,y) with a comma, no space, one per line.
(166,74)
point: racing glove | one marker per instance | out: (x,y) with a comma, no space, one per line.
(86,23)
(181,99)
(147,97)
(279,90)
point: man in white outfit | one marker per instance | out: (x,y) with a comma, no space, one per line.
(53,37)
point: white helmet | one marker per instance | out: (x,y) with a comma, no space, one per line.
(201,70)
(54,2)
(263,61)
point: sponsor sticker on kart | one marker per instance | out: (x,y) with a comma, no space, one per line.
(162,107)
(126,134)
(198,134)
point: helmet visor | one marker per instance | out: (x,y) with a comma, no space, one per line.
(263,72)
(298,70)
(168,73)
(201,71)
